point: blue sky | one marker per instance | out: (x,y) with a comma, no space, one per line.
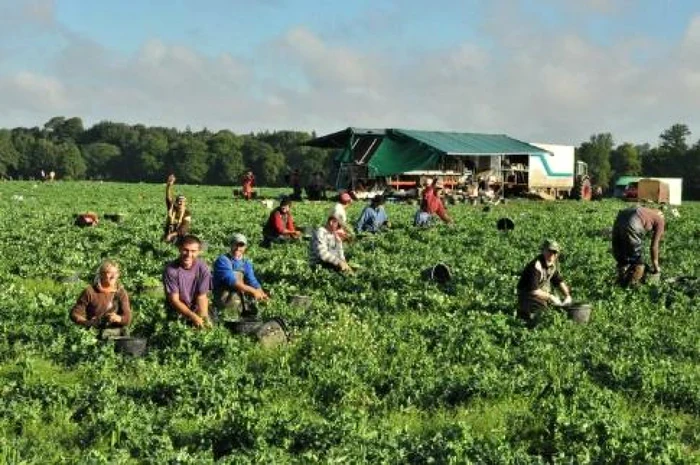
(548,70)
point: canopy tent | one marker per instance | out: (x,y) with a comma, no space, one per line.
(388,152)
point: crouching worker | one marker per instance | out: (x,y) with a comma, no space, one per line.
(373,218)
(187,281)
(234,281)
(280,225)
(104,304)
(431,206)
(536,282)
(86,220)
(631,225)
(326,248)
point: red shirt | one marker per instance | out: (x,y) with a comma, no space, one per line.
(433,205)
(277,224)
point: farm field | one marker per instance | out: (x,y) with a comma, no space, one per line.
(383,368)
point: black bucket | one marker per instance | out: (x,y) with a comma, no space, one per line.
(439,273)
(270,333)
(579,312)
(133,346)
(505,224)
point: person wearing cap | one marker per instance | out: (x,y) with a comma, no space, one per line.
(187,281)
(234,279)
(280,225)
(177,223)
(630,228)
(247,185)
(373,218)
(326,247)
(431,206)
(538,279)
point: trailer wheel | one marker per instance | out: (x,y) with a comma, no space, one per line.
(582,188)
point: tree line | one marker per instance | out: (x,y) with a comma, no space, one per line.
(122,152)
(673,157)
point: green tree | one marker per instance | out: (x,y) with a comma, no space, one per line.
(226,162)
(262,159)
(625,161)
(674,139)
(69,161)
(596,152)
(9,157)
(150,159)
(188,159)
(99,158)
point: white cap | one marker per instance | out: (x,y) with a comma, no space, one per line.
(238,239)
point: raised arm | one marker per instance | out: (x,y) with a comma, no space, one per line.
(169,197)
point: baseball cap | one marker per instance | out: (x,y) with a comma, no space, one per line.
(238,239)
(551,245)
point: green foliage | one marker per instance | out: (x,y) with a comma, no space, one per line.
(596,152)
(382,368)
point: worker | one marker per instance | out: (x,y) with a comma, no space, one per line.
(295,182)
(339,212)
(104,304)
(326,248)
(431,206)
(373,218)
(280,225)
(316,189)
(536,283)
(187,281)
(177,223)
(234,280)
(86,220)
(631,225)
(248,183)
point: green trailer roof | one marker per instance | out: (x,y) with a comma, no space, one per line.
(402,150)
(465,143)
(623,181)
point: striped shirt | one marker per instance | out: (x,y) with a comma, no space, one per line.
(326,247)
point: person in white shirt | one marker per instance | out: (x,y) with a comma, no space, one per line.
(326,247)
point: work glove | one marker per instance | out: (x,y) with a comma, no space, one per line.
(567,300)
(555,300)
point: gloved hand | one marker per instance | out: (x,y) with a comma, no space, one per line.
(554,300)
(567,300)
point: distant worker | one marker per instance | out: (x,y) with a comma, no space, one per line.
(187,281)
(248,183)
(536,283)
(373,218)
(326,248)
(431,206)
(104,304)
(234,281)
(316,189)
(295,182)
(280,225)
(631,225)
(177,223)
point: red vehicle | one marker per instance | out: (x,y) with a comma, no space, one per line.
(630,191)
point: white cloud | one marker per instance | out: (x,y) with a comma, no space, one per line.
(525,83)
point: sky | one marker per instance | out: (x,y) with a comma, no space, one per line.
(553,71)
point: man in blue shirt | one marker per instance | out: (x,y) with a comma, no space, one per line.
(234,279)
(373,218)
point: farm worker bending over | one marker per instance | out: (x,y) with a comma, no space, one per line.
(234,279)
(326,247)
(431,206)
(280,225)
(338,211)
(248,183)
(536,281)
(373,218)
(177,224)
(187,281)
(631,225)
(87,219)
(104,304)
